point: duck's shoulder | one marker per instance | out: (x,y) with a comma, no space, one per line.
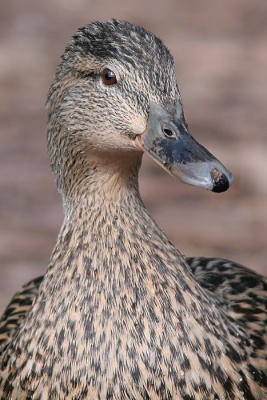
(228,278)
(17,310)
(241,292)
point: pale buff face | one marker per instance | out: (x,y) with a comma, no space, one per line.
(96,116)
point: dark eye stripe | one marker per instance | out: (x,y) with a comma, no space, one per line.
(108,76)
(86,74)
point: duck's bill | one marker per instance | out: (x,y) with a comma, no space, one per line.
(168,141)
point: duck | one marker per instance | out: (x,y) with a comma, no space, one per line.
(120,312)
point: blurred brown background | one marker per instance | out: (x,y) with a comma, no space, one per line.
(220,50)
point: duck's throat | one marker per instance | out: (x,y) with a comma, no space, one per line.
(99,177)
(111,259)
(110,244)
(111,240)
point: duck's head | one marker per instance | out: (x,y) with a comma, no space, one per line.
(115,95)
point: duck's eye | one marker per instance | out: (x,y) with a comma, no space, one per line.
(108,77)
(169,133)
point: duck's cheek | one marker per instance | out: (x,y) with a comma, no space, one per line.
(139,124)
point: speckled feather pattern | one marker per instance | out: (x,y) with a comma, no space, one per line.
(122,318)
(120,313)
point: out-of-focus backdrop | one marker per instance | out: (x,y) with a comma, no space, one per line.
(220,49)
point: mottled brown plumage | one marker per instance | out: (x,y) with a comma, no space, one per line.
(120,313)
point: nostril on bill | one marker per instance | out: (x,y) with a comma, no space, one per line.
(169,133)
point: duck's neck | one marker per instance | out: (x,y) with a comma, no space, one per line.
(109,236)
(107,177)
(118,296)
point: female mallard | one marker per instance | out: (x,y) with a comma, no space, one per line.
(119,313)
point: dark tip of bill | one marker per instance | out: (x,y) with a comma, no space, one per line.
(221,184)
